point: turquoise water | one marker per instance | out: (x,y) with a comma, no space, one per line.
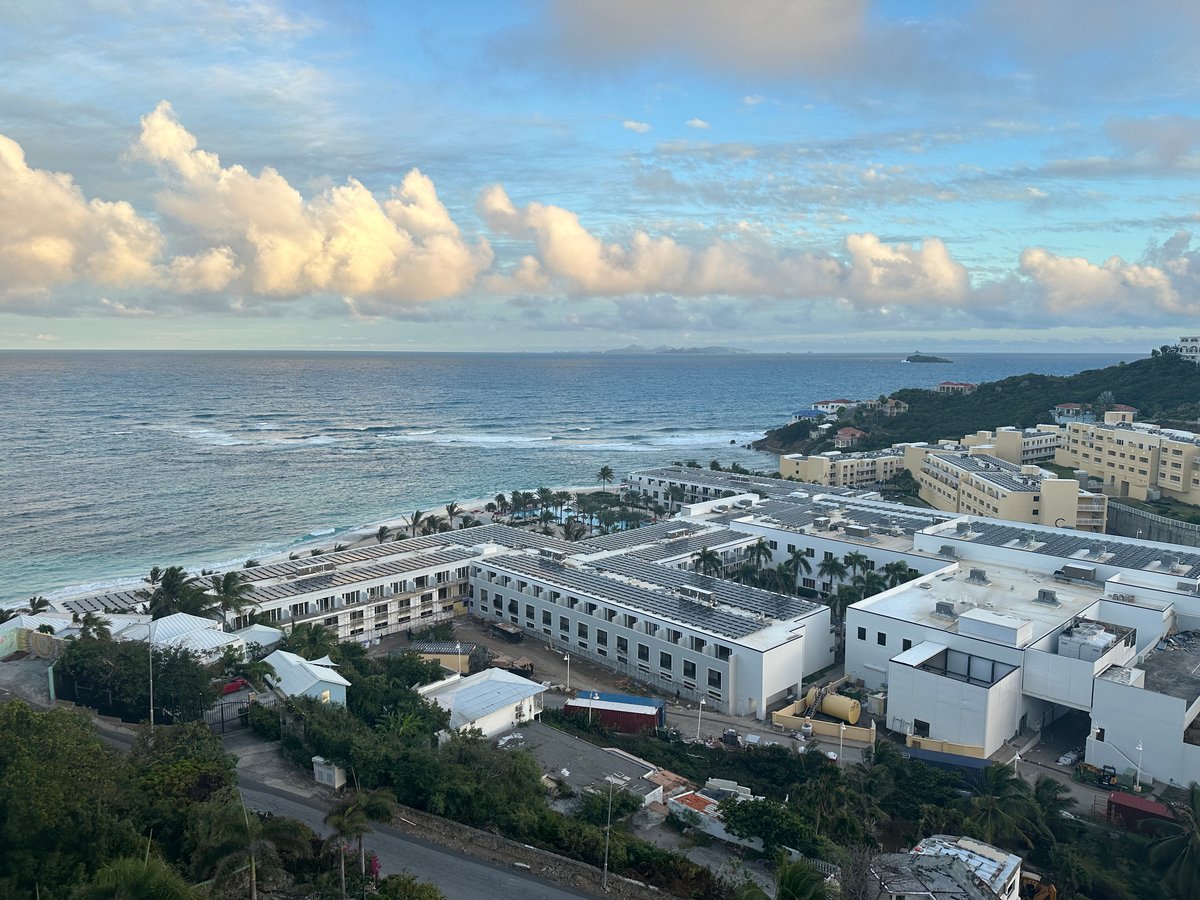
(114,462)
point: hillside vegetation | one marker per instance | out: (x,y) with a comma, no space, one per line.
(1164,387)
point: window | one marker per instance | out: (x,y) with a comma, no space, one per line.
(906,644)
(714,678)
(643,653)
(664,659)
(689,669)
(330,622)
(862,634)
(356,615)
(326,696)
(564,624)
(529,611)
(601,638)
(920,729)
(622,645)
(545,617)
(381,609)
(582,630)
(881,639)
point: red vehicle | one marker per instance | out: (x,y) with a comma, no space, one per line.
(238,684)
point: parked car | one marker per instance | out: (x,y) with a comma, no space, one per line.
(1071,757)
(238,684)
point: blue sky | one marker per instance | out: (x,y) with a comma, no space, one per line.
(551,174)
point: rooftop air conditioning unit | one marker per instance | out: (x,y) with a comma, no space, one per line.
(947,550)
(858,531)
(821,522)
(944,609)
(1048,597)
(673,533)
(978,576)
(553,555)
(1169,561)
(745,503)
(1187,587)
(963,527)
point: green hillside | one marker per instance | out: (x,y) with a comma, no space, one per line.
(1163,388)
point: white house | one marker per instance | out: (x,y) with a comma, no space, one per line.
(295,676)
(201,636)
(492,700)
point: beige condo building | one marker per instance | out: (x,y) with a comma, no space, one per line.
(1134,459)
(835,469)
(969,481)
(1020,446)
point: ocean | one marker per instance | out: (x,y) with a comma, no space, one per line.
(113,462)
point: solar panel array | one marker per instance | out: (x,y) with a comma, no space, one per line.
(689,545)
(1066,544)
(329,581)
(620,593)
(111,602)
(729,593)
(635,536)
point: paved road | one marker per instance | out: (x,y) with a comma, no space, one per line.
(457,876)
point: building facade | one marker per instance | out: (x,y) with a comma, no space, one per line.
(835,469)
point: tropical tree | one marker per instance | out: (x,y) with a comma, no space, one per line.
(758,553)
(676,495)
(857,562)
(746,574)
(229,842)
(794,881)
(561,499)
(545,498)
(415,520)
(453,511)
(707,562)
(502,503)
(868,584)
(382,534)
(372,806)
(6,614)
(1053,799)
(797,563)
(131,878)
(898,572)
(607,518)
(573,530)
(434,524)
(172,591)
(37,604)
(1002,811)
(310,640)
(605,476)
(845,595)
(347,823)
(92,626)
(831,570)
(1176,848)
(232,592)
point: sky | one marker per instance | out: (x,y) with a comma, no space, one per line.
(527,175)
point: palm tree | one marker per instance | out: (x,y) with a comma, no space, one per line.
(310,640)
(433,524)
(232,591)
(37,604)
(676,495)
(545,497)
(707,562)
(793,881)
(415,521)
(573,530)
(230,841)
(372,806)
(831,570)
(868,584)
(746,574)
(797,562)
(1002,810)
(382,534)
(758,553)
(502,503)
(92,626)
(453,511)
(898,572)
(6,614)
(605,477)
(348,822)
(844,596)
(858,562)
(131,878)
(561,499)
(1053,799)
(173,591)
(607,519)
(1176,849)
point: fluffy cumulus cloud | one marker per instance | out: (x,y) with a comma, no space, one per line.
(51,234)
(273,242)
(1072,285)
(571,258)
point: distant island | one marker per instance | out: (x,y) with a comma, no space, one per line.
(926,358)
(638,350)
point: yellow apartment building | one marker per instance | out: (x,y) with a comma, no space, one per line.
(835,469)
(1134,459)
(1019,446)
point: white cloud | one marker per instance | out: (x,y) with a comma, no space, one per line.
(122,310)
(51,234)
(753,99)
(698,123)
(275,243)
(49,338)
(1073,285)
(639,127)
(572,259)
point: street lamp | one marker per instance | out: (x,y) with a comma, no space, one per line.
(1137,779)
(150,644)
(458,650)
(608,830)
(567,660)
(592,702)
(841,740)
(699,716)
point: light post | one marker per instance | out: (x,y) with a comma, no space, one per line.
(841,741)
(699,716)
(150,644)
(458,650)
(592,702)
(1137,779)
(608,831)
(567,660)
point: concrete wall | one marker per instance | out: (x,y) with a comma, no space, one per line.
(1130,714)
(957,712)
(1058,679)
(1136,523)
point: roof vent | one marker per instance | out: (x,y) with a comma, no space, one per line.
(821,522)
(1047,597)
(673,533)
(978,576)
(552,554)
(963,527)
(944,609)
(1169,561)
(947,550)
(858,531)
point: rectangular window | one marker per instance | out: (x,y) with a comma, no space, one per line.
(564,624)
(920,729)
(881,639)
(643,653)
(545,617)
(689,669)
(529,611)
(622,645)
(601,638)
(381,609)
(330,622)
(906,644)
(862,634)
(664,659)
(582,630)
(714,678)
